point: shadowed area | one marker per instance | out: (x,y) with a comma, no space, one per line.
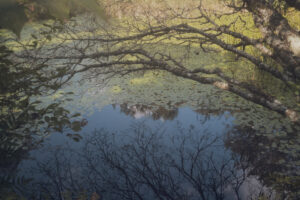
(145,99)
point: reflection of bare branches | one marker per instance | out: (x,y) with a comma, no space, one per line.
(144,163)
(270,158)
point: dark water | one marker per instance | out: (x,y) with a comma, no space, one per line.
(141,136)
(80,165)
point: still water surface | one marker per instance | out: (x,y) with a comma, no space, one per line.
(148,137)
(141,136)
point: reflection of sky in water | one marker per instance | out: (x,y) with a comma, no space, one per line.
(115,122)
(210,118)
(118,123)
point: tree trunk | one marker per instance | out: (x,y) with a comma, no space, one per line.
(278,34)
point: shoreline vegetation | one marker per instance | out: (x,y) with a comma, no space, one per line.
(214,50)
(217,28)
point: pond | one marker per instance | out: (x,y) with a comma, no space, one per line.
(149,136)
(146,135)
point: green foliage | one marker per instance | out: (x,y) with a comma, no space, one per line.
(63,9)
(22,115)
(15,13)
(280,5)
(12,16)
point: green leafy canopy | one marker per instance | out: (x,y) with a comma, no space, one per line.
(15,13)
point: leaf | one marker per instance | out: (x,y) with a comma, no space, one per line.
(63,9)
(89,5)
(48,37)
(37,102)
(34,44)
(75,137)
(33,36)
(57,8)
(83,122)
(52,106)
(76,126)
(12,16)
(76,115)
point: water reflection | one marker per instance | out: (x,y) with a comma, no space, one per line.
(142,163)
(150,150)
(24,120)
(273,158)
(140,111)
